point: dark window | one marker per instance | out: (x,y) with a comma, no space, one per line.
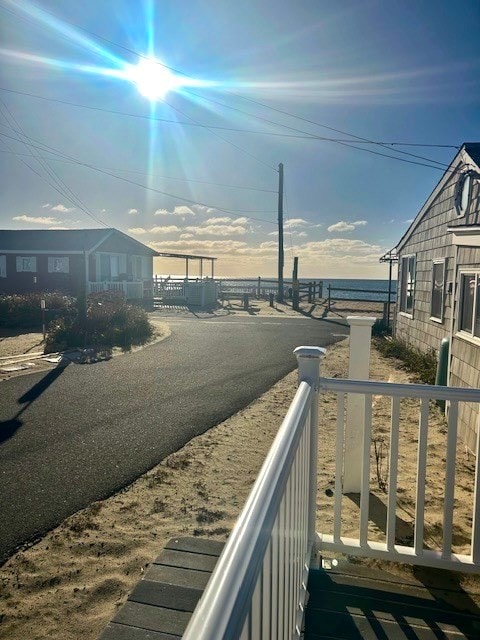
(438,289)
(407,284)
(468,284)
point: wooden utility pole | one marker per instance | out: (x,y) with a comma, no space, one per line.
(280,233)
(295,292)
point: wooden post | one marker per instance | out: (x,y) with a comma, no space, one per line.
(201,268)
(186,268)
(295,300)
(309,293)
(280,233)
(329,301)
(358,369)
(259,285)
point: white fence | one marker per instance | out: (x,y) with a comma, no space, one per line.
(258,587)
(131,290)
(417,553)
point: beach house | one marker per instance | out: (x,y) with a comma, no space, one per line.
(75,260)
(438,289)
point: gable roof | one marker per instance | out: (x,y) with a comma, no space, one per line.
(468,155)
(68,240)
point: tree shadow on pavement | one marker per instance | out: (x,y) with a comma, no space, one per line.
(9,427)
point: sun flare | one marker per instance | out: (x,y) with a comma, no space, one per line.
(152,79)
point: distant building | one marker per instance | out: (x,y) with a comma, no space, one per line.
(438,289)
(75,260)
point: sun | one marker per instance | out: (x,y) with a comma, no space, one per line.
(152,79)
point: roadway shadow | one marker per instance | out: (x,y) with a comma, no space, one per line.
(9,427)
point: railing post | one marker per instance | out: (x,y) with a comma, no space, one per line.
(308,359)
(358,369)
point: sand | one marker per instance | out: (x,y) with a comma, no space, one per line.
(70,584)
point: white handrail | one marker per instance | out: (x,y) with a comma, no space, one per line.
(223,608)
(395,389)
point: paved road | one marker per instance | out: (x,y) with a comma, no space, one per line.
(78,434)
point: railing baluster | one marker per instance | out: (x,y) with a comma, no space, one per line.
(393,474)
(365,493)
(450,480)
(421,475)
(256,610)
(267,592)
(274,555)
(281,570)
(337,496)
(288,556)
(476,507)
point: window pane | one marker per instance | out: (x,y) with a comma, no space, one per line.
(476,329)
(410,284)
(468,290)
(437,290)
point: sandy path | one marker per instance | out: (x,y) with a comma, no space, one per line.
(70,583)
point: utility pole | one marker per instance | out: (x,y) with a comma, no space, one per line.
(280,233)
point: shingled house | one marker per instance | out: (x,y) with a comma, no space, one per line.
(438,291)
(75,260)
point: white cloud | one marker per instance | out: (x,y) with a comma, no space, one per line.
(137,230)
(182,210)
(36,219)
(46,206)
(302,234)
(59,228)
(342,226)
(132,212)
(217,230)
(62,208)
(186,236)
(224,220)
(241,221)
(169,229)
(294,223)
(103,210)
(217,247)
(273,233)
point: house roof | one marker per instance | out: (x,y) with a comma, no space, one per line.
(468,151)
(68,240)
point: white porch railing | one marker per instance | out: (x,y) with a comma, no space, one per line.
(418,553)
(131,290)
(258,587)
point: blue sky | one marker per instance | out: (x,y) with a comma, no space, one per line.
(388,71)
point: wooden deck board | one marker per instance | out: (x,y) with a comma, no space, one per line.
(162,603)
(352,602)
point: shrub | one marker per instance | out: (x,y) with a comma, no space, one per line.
(24,311)
(380,328)
(109,322)
(423,365)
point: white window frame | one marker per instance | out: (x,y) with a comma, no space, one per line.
(403,285)
(459,208)
(464,333)
(442,308)
(3,266)
(21,264)
(58,264)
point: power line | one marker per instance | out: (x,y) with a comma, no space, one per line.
(258,103)
(304,136)
(164,193)
(58,184)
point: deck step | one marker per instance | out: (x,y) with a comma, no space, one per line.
(162,602)
(352,601)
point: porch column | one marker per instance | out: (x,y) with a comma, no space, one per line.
(358,369)
(308,359)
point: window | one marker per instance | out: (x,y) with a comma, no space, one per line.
(407,284)
(469,320)
(109,266)
(58,265)
(463,192)
(438,289)
(3,266)
(26,264)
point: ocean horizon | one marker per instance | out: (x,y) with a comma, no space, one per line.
(362,287)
